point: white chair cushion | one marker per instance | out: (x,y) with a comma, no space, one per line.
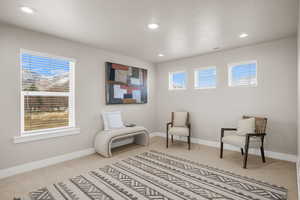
(238,140)
(180,119)
(246,126)
(179,131)
(112,120)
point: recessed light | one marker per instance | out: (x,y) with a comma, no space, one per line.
(153,26)
(244,35)
(27,10)
(161,55)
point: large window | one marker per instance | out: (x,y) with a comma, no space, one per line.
(206,78)
(243,74)
(177,80)
(47,96)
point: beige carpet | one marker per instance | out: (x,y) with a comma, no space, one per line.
(274,171)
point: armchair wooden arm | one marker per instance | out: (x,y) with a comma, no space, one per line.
(256,134)
(168,125)
(229,129)
(222,135)
(226,129)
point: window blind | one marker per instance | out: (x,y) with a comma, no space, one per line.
(47,94)
(45,74)
(244,74)
(177,80)
(205,78)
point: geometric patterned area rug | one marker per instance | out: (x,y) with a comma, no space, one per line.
(158,176)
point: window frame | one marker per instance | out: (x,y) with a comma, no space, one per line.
(231,65)
(171,80)
(70,94)
(196,78)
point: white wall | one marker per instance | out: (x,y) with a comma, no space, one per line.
(89,92)
(275,96)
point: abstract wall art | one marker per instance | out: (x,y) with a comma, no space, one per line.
(125,84)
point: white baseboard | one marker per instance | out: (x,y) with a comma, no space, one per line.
(44,163)
(54,160)
(270,154)
(58,159)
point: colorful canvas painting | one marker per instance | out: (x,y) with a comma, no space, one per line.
(125,84)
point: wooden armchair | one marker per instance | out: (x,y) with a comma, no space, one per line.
(249,140)
(179,126)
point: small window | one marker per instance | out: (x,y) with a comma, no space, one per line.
(206,78)
(47,96)
(177,80)
(243,74)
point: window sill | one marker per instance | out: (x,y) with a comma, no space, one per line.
(243,86)
(46,135)
(205,88)
(174,89)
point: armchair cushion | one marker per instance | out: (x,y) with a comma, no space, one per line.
(239,141)
(179,131)
(246,126)
(180,119)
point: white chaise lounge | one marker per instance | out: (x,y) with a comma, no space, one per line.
(104,139)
